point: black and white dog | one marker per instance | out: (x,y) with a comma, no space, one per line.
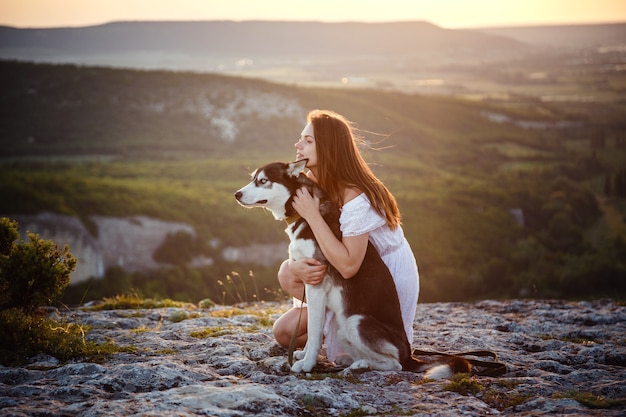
(366,306)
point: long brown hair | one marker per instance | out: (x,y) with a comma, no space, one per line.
(340,164)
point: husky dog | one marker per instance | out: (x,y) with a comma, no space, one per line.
(366,306)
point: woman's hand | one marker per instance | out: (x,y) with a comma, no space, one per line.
(308,270)
(305,204)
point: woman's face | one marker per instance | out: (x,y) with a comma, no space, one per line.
(305,147)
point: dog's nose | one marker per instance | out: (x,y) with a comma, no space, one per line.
(238,195)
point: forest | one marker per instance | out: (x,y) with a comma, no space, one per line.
(500,198)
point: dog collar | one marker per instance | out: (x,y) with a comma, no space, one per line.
(293,218)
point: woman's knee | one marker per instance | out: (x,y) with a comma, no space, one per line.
(284,275)
(285,327)
(283,330)
(281,334)
(288,281)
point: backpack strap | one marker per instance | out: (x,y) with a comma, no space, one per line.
(489,368)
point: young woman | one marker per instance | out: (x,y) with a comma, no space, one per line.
(368,212)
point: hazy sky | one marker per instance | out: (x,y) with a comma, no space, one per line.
(445,13)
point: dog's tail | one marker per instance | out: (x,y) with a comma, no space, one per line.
(441,369)
(453,363)
(447,369)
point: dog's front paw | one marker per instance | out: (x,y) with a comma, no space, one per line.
(303,365)
(299,354)
(360,365)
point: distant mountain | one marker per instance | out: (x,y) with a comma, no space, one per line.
(567,36)
(252,39)
(216,45)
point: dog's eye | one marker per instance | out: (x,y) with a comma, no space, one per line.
(262,181)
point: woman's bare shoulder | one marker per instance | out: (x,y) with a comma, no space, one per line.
(350,194)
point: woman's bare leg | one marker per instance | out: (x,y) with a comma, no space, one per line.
(285,327)
(286,324)
(289,283)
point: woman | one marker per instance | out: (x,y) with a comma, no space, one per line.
(368,212)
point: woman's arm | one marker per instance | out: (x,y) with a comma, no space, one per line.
(345,255)
(306,270)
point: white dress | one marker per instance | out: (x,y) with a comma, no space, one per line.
(359,217)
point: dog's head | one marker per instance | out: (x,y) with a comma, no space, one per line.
(272,187)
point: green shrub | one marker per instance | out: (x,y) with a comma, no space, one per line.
(33,273)
(8,234)
(180,248)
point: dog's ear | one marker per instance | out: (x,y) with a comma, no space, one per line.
(295,168)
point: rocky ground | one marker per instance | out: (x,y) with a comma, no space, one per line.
(563,358)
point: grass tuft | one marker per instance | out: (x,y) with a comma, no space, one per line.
(135,301)
(464,384)
(591,400)
(263,313)
(219,331)
(503,400)
(25,336)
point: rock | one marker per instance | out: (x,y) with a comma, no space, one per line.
(42,361)
(223,361)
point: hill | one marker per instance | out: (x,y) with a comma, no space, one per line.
(565,36)
(204,46)
(255,39)
(408,56)
(499,198)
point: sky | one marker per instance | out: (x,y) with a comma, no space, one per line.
(445,13)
